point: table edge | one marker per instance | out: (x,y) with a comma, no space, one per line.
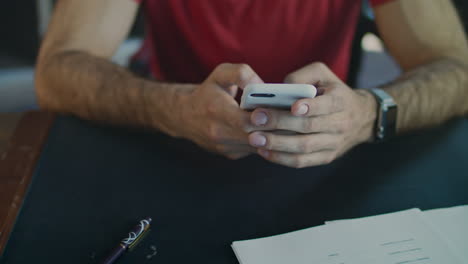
(20,159)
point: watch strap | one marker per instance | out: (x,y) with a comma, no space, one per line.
(387,110)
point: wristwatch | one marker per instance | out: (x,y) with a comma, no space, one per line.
(387,110)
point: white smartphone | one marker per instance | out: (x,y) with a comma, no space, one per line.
(275,95)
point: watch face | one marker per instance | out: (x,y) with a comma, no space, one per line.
(391,121)
(387,120)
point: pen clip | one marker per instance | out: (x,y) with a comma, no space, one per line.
(139,239)
(135,236)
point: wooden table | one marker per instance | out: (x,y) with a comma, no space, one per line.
(17,165)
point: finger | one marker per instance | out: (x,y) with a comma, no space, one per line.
(223,134)
(237,155)
(229,121)
(234,150)
(316,73)
(271,119)
(238,121)
(227,75)
(294,143)
(328,103)
(298,160)
(233,147)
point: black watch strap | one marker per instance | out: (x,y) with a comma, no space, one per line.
(387,110)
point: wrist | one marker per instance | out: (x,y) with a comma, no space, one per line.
(369,115)
(180,109)
(164,106)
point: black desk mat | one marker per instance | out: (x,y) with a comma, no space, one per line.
(94,183)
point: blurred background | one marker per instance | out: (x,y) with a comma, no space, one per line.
(23,24)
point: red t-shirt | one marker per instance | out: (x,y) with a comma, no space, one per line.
(187,39)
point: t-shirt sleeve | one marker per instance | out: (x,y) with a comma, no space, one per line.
(376,2)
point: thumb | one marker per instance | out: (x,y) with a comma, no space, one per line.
(231,77)
(316,73)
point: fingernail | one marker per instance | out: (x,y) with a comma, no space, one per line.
(259,118)
(264,153)
(302,110)
(258,140)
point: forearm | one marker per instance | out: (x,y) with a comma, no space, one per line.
(94,88)
(430,94)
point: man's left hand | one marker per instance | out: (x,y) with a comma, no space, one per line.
(326,126)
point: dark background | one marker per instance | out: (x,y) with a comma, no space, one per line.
(20,40)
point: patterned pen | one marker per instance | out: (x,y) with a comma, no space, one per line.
(135,235)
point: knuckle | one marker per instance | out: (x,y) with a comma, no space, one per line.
(313,108)
(337,102)
(297,162)
(244,73)
(307,125)
(338,127)
(214,133)
(246,127)
(211,109)
(291,78)
(308,146)
(271,143)
(273,121)
(243,68)
(233,156)
(303,146)
(335,144)
(220,148)
(242,155)
(222,66)
(319,65)
(333,88)
(345,125)
(330,158)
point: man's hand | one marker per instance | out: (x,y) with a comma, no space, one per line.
(327,126)
(211,117)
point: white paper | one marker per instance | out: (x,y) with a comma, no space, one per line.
(452,223)
(398,238)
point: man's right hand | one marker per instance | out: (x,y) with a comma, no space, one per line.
(210,115)
(74,76)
